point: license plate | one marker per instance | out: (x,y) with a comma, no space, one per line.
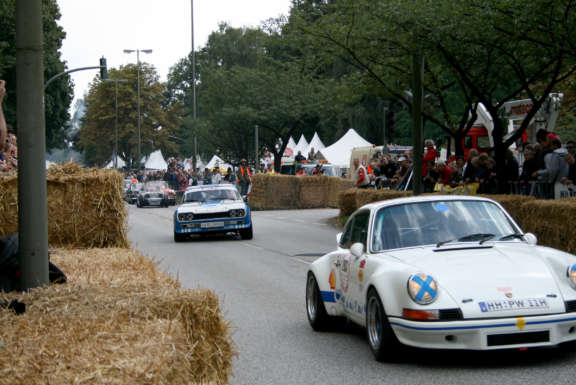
(513,304)
(209,225)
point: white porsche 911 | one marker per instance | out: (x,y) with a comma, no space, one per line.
(447,272)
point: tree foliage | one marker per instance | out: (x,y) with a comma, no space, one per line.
(158,123)
(58,96)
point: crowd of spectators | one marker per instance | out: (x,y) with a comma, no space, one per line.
(546,164)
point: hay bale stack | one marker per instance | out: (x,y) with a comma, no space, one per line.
(551,221)
(117,321)
(337,186)
(313,191)
(85,207)
(273,192)
(347,202)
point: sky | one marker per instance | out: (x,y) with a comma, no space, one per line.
(99,28)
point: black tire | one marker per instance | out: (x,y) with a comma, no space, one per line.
(315,309)
(179,237)
(383,342)
(247,233)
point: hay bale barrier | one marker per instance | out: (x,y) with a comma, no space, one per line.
(288,192)
(117,321)
(85,207)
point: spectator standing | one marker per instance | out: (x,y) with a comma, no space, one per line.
(244,177)
(207,178)
(261,169)
(270,169)
(529,168)
(556,168)
(361,178)
(216,176)
(470,169)
(510,174)
(299,158)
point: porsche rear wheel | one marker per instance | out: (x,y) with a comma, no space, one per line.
(383,342)
(315,309)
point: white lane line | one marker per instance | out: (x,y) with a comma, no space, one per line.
(301,261)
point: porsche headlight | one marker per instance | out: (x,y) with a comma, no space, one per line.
(571,273)
(423,288)
(236,213)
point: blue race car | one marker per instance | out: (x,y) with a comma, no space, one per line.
(212,209)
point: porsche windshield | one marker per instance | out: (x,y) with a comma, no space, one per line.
(211,195)
(438,223)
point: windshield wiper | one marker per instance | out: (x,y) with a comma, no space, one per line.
(444,242)
(512,236)
(482,237)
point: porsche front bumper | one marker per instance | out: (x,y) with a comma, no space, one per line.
(487,334)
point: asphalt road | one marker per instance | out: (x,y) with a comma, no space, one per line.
(261,285)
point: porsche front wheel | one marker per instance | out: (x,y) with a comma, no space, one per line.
(315,309)
(383,342)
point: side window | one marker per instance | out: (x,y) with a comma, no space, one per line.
(360,228)
(346,240)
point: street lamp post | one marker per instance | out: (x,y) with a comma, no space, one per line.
(116,81)
(138,97)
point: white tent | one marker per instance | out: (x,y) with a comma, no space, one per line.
(339,153)
(315,144)
(217,161)
(156,161)
(290,147)
(301,146)
(121,163)
(188,163)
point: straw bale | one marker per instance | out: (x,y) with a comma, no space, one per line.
(117,321)
(551,221)
(313,191)
(347,202)
(85,207)
(274,192)
(337,185)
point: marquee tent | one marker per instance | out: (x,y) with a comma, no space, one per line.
(156,161)
(339,153)
(315,144)
(301,146)
(217,161)
(121,163)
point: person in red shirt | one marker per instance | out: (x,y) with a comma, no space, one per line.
(361,177)
(444,173)
(429,158)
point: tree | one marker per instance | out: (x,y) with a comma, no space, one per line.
(157,123)
(476,52)
(58,96)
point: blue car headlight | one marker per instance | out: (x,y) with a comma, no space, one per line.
(185,217)
(422,288)
(236,213)
(571,274)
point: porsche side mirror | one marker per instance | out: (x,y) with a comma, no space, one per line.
(531,239)
(357,249)
(338,237)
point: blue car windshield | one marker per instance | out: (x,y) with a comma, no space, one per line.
(427,223)
(211,195)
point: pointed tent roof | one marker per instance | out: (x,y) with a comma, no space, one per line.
(121,163)
(301,146)
(188,163)
(339,153)
(156,161)
(315,144)
(217,160)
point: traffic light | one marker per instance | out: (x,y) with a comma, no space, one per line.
(103,68)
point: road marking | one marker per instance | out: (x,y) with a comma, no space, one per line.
(301,261)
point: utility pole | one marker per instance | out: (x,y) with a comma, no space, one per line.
(194,143)
(417,103)
(256,157)
(32,206)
